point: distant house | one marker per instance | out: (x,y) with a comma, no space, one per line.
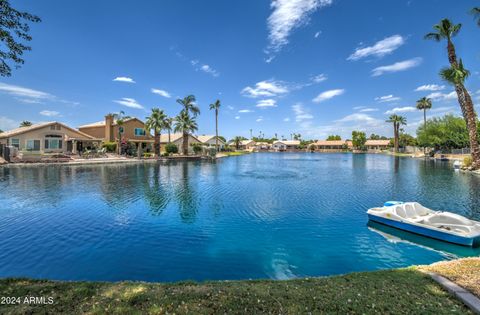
(49,137)
(132,130)
(177,139)
(210,141)
(286,145)
(330,145)
(244,144)
(377,145)
(262,146)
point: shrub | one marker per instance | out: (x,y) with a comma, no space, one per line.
(110,146)
(197,148)
(171,148)
(147,154)
(165,154)
(467,161)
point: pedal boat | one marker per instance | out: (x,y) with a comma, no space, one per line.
(440,225)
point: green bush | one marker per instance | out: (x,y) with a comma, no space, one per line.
(165,154)
(467,161)
(171,148)
(147,154)
(197,148)
(110,146)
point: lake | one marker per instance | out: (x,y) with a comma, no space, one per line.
(262,215)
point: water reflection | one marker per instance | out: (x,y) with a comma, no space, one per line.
(155,192)
(186,196)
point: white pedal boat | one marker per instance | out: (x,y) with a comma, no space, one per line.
(441,225)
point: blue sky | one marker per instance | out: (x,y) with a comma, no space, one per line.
(315,67)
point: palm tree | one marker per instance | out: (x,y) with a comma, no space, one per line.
(156,121)
(185,124)
(456,75)
(168,126)
(120,118)
(189,105)
(476,14)
(237,141)
(216,107)
(26,123)
(423,104)
(397,122)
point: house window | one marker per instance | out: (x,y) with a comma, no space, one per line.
(139,132)
(33,145)
(53,142)
(16,143)
(55,127)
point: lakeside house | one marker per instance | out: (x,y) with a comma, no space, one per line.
(377,145)
(132,130)
(49,137)
(286,145)
(262,146)
(244,144)
(210,141)
(330,145)
(177,139)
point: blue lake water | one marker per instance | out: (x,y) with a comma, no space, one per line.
(265,215)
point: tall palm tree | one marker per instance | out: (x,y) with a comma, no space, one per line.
(476,14)
(237,141)
(216,107)
(424,104)
(397,122)
(120,118)
(156,121)
(185,124)
(26,123)
(456,75)
(168,127)
(189,106)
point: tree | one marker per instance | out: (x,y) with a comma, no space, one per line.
(120,118)
(476,14)
(397,122)
(14,28)
(168,126)
(444,133)
(1,130)
(237,141)
(297,136)
(377,137)
(216,107)
(423,104)
(359,138)
(456,76)
(26,123)
(185,124)
(156,121)
(406,140)
(334,137)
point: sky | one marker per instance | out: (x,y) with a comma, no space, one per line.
(314,67)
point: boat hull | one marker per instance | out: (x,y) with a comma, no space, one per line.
(465,241)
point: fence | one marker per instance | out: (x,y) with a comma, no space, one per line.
(461,151)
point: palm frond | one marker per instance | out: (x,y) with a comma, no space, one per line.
(433,36)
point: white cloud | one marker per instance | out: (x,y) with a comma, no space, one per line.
(286,16)
(268,88)
(29,95)
(286,119)
(439,96)
(208,69)
(267,103)
(366,110)
(129,102)
(259,119)
(317,34)
(319,78)
(359,118)
(49,113)
(387,98)
(124,79)
(161,93)
(328,95)
(406,109)
(430,87)
(7,123)
(245,111)
(301,114)
(379,49)
(237,117)
(396,67)
(230,107)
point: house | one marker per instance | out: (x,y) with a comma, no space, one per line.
(329,145)
(108,130)
(210,141)
(286,145)
(262,146)
(177,139)
(244,145)
(377,145)
(48,137)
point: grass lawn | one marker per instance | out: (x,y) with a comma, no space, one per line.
(236,153)
(402,291)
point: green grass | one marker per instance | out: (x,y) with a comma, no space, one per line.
(403,291)
(236,153)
